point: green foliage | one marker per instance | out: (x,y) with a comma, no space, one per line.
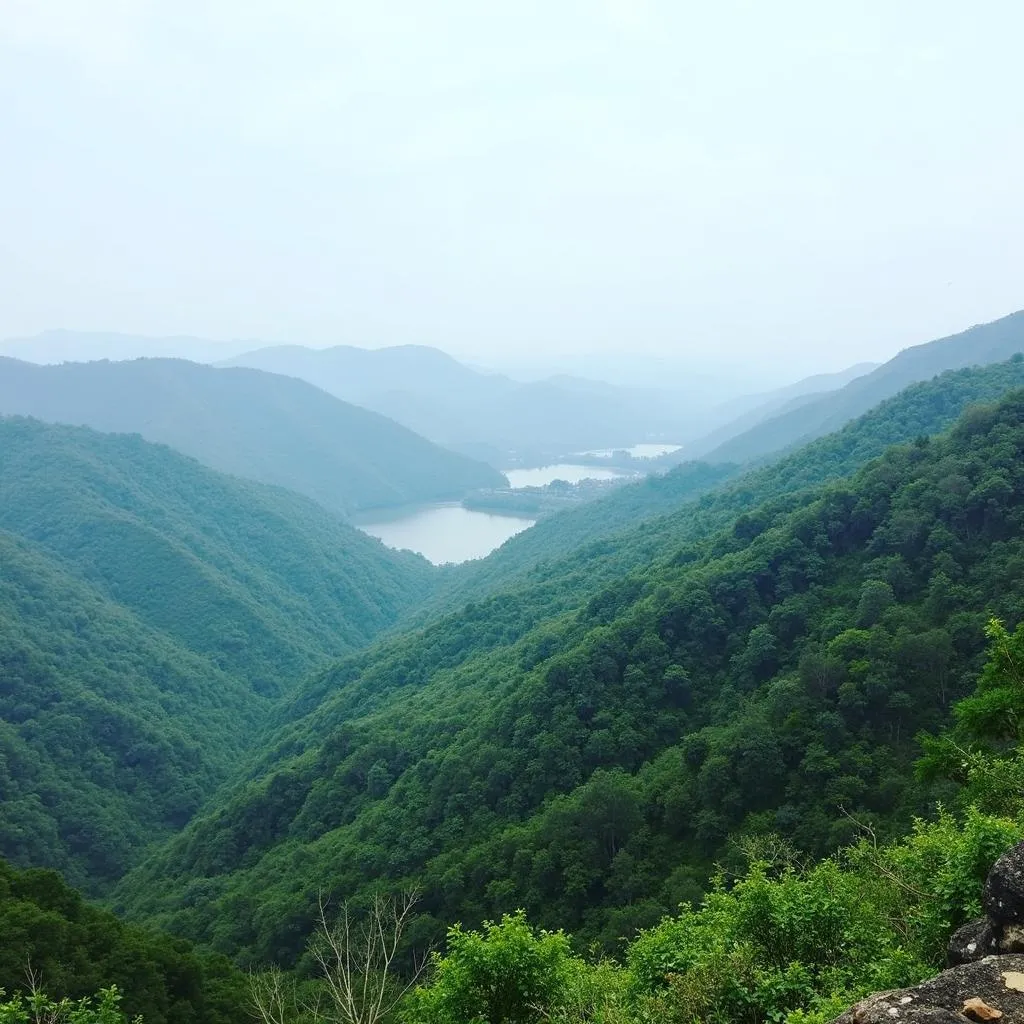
(503,974)
(785,938)
(274,429)
(590,767)
(772,943)
(38,1007)
(73,949)
(984,751)
(995,711)
(783,941)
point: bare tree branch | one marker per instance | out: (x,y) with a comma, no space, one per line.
(271,999)
(356,964)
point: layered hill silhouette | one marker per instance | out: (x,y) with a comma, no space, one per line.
(483,414)
(150,608)
(266,427)
(64,346)
(489,415)
(745,413)
(986,343)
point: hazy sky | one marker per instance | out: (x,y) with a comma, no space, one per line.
(808,184)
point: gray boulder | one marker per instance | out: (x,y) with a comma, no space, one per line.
(1003,895)
(1002,928)
(973,941)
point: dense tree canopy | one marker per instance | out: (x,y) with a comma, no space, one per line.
(109,731)
(770,678)
(263,581)
(74,950)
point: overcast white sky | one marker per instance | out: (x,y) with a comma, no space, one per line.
(809,183)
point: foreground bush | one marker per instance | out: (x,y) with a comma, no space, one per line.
(40,1009)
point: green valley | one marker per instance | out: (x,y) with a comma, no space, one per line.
(666,721)
(511,513)
(755,680)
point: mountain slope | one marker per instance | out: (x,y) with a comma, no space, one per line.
(452,404)
(986,343)
(110,732)
(273,429)
(744,414)
(148,608)
(264,582)
(759,680)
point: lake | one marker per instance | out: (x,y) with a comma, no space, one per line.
(543,475)
(637,451)
(445,533)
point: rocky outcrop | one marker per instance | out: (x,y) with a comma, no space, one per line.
(985,979)
(989,989)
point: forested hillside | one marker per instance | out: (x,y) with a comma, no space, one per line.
(273,429)
(264,582)
(986,343)
(770,677)
(148,608)
(110,732)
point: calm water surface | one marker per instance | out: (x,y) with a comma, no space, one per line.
(563,471)
(652,451)
(638,451)
(446,533)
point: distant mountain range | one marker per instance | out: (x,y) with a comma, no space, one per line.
(806,420)
(745,413)
(489,416)
(270,428)
(62,346)
(484,415)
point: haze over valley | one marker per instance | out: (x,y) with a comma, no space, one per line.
(511,513)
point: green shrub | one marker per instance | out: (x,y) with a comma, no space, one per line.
(504,974)
(38,1007)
